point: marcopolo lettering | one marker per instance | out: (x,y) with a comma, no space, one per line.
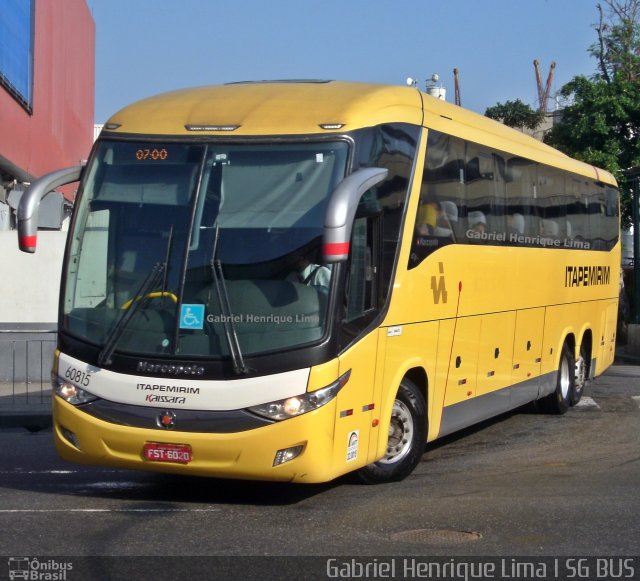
(587,276)
(170,368)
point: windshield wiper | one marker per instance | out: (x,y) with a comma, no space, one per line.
(140,296)
(231,334)
(159,271)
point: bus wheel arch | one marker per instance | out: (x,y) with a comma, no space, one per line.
(407,432)
(419,377)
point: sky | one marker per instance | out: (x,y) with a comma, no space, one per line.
(145,47)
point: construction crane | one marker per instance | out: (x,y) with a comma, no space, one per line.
(456,82)
(543,93)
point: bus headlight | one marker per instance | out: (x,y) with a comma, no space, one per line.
(300,404)
(71,393)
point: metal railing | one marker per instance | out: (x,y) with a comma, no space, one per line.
(25,368)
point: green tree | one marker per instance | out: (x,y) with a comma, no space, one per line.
(515,114)
(601,126)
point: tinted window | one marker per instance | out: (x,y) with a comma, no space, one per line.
(392,147)
(474,195)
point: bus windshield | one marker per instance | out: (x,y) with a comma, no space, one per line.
(187,248)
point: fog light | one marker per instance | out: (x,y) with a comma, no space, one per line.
(287,454)
(70,437)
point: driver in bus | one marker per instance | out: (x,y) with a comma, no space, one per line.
(308,273)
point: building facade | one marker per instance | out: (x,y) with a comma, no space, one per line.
(47,79)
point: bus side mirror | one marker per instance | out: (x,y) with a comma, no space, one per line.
(341,211)
(30,202)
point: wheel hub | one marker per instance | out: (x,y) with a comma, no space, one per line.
(400,433)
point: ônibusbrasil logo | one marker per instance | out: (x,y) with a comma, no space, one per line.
(32,568)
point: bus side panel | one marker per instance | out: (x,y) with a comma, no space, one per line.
(606,339)
(437,384)
(379,393)
(495,356)
(353,408)
(407,347)
(463,366)
(458,411)
(527,356)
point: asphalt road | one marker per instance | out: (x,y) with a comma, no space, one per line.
(525,484)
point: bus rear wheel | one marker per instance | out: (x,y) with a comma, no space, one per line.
(559,401)
(407,437)
(582,374)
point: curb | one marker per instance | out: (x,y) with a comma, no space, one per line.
(32,418)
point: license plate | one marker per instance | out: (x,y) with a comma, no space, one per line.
(178,453)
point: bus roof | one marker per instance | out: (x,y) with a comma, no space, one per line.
(320,107)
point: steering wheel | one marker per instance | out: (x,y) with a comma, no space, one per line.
(153,295)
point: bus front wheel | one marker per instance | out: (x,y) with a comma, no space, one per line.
(559,401)
(407,437)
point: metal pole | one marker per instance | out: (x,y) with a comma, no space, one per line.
(635,199)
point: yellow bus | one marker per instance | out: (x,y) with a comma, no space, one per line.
(294,280)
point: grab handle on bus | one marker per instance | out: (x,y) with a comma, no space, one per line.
(341,211)
(30,203)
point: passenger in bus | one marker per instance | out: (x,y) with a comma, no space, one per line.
(477,221)
(515,224)
(569,230)
(432,231)
(549,228)
(426,219)
(450,216)
(433,221)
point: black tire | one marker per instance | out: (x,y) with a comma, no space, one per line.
(407,438)
(559,401)
(581,374)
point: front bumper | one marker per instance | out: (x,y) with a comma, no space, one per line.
(244,455)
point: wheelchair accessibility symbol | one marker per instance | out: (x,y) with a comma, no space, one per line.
(192,316)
